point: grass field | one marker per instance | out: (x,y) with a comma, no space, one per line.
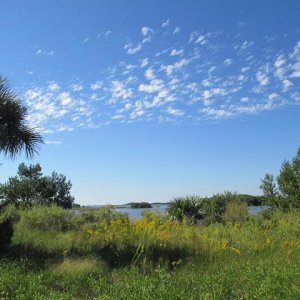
(103,255)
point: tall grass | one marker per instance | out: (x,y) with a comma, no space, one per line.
(256,257)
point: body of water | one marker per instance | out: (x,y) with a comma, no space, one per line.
(136,213)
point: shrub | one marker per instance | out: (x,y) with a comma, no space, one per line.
(236,212)
(8,215)
(215,206)
(46,218)
(207,210)
(94,215)
(188,207)
(6,233)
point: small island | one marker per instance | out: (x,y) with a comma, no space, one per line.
(139,205)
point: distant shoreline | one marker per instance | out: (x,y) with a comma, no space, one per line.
(127,205)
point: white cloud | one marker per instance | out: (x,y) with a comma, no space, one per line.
(246,45)
(169,69)
(185,75)
(280,61)
(262,78)
(245,69)
(175,112)
(206,82)
(65,98)
(96,86)
(296,73)
(106,34)
(136,114)
(120,91)
(207,94)
(228,62)
(197,38)
(53,142)
(286,85)
(165,23)
(65,128)
(241,77)
(176,30)
(296,96)
(118,117)
(245,99)
(175,52)
(273,96)
(155,85)
(53,86)
(93,96)
(128,106)
(131,49)
(43,52)
(76,87)
(296,51)
(216,113)
(144,62)
(149,74)
(146,31)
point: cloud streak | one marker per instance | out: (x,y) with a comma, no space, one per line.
(164,77)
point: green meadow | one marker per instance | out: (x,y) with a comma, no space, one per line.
(100,254)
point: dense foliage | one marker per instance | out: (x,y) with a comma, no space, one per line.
(139,205)
(104,255)
(31,187)
(285,192)
(8,216)
(209,209)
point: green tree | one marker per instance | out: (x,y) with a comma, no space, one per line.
(268,186)
(15,135)
(30,172)
(289,180)
(61,188)
(286,193)
(31,187)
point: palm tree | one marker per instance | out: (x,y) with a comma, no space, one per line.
(15,135)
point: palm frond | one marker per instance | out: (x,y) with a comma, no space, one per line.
(15,136)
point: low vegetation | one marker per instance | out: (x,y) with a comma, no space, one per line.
(208,210)
(101,254)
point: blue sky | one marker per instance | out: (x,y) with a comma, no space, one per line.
(149,100)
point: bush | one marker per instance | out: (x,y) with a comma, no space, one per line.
(236,212)
(206,210)
(46,218)
(188,207)
(8,215)
(94,215)
(6,233)
(215,206)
